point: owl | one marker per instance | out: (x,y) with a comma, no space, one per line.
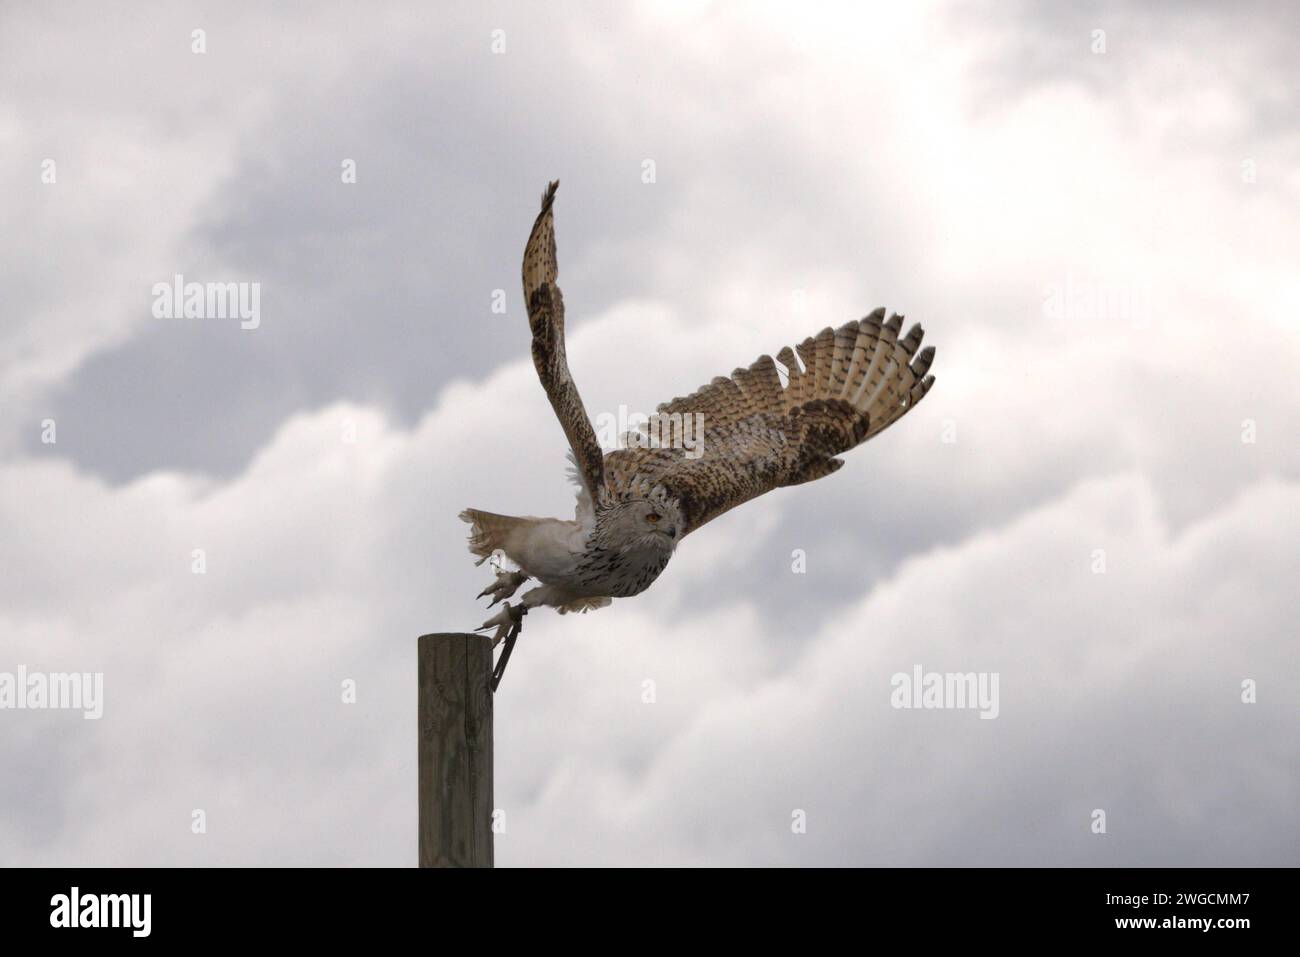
(764,427)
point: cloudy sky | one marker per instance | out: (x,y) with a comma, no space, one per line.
(1095,213)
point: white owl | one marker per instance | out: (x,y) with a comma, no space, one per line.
(636,504)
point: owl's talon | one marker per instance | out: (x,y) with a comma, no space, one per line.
(506,584)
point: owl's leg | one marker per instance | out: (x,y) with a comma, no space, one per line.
(506,584)
(509,615)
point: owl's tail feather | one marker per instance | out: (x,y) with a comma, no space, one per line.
(490,532)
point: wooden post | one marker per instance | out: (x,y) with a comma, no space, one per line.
(455,767)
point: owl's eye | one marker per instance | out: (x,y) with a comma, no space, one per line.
(652,517)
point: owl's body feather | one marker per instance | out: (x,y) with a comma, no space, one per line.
(842,387)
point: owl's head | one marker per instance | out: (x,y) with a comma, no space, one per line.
(644,523)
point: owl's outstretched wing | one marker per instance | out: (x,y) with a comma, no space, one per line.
(759,435)
(546,319)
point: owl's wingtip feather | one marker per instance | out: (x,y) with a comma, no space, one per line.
(548,197)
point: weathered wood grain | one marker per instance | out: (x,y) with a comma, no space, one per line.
(455,748)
